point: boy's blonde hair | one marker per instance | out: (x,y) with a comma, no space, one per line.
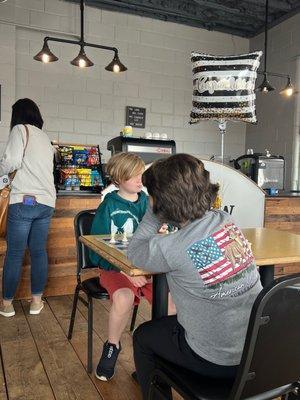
(123,166)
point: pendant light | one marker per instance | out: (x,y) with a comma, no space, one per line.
(81,61)
(265,86)
(45,55)
(289,89)
(115,65)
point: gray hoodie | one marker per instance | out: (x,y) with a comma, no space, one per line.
(212,278)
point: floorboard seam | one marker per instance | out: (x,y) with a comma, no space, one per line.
(4,376)
(37,349)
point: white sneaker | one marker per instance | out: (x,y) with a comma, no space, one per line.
(7,311)
(36,308)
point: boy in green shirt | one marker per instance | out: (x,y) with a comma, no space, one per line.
(120,212)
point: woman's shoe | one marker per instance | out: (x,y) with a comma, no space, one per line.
(7,311)
(36,308)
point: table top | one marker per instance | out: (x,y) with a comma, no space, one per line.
(113,253)
(269,247)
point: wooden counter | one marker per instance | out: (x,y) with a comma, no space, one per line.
(283,213)
(61,248)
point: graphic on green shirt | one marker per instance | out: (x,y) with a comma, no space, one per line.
(123,221)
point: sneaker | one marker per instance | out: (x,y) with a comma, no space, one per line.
(7,311)
(106,367)
(36,308)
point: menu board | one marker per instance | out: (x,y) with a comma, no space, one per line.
(135,116)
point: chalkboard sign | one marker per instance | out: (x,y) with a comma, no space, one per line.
(136,116)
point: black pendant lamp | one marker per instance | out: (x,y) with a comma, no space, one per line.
(265,86)
(82,61)
(289,89)
(45,55)
(115,65)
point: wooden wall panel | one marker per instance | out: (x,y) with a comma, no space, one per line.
(61,248)
(283,213)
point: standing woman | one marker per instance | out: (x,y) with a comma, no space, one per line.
(32,202)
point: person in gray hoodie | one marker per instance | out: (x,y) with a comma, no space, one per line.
(210,271)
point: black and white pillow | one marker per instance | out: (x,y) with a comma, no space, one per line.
(223,87)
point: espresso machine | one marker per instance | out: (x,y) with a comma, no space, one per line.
(263,168)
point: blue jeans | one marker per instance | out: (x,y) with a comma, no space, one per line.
(26,226)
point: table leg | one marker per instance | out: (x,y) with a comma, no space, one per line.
(266,274)
(160,296)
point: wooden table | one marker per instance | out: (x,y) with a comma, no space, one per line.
(269,247)
(111,254)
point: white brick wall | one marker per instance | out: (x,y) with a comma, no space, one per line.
(277,114)
(7,78)
(88,106)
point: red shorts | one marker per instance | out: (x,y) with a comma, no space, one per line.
(113,280)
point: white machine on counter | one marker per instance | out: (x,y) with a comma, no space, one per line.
(239,195)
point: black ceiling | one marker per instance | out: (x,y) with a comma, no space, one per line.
(238,17)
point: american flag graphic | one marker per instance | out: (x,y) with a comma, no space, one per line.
(221,255)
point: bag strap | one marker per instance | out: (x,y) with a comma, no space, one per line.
(13,174)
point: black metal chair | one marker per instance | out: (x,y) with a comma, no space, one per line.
(91,287)
(270,365)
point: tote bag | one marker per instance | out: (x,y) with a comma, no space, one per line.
(5,194)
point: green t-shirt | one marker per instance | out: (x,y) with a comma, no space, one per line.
(117,215)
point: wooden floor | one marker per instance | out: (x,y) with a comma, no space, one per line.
(38,361)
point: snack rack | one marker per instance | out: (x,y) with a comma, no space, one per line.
(78,168)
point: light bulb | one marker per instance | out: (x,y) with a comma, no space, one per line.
(289,91)
(116,68)
(45,58)
(82,63)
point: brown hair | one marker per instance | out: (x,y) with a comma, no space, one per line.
(123,166)
(180,188)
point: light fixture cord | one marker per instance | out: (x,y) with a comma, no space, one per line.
(266,34)
(82,21)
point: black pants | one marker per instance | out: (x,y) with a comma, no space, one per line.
(165,337)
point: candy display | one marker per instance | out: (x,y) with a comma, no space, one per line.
(78,167)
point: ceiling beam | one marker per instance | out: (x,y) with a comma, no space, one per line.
(135,5)
(276,4)
(198,19)
(230,10)
(196,14)
(238,17)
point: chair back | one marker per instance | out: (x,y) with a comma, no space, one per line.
(82,226)
(271,355)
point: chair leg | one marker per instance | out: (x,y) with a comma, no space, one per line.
(151,391)
(135,309)
(155,391)
(75,301)
(90,336)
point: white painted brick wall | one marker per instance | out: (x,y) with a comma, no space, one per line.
(88,106)
(7,78)
(276,113)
